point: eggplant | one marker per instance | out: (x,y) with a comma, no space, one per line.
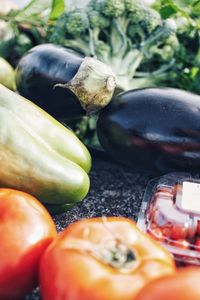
(155,128)
(64,83)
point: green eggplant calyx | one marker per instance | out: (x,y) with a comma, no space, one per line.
(93,84)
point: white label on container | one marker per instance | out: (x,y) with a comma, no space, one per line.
(191,197)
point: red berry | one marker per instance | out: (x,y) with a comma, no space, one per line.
(166,230)
(178,232)
(198,227)
(197,244)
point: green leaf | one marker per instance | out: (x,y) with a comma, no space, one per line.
(196,8)
(170,7)
(57,8)
(194,72)
(167,11)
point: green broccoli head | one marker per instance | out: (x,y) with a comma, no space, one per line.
(133,6)
(113,8)
(145,17)
(143,21)
(103,51)
(152,19)
(173,42)
(136,33)
(57,35)
(76,22)
(109,8)
(97,20)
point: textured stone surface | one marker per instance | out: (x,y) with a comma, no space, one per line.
(115,191)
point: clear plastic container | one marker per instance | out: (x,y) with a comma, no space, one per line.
(170,213)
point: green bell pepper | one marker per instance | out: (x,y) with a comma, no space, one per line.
(39,155)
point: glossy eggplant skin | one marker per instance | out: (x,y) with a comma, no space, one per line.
(40,70)
(152,128)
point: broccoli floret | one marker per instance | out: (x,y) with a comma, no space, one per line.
(151,20)
(113,8)
(134,6)
(142,16)
(97,20)
(143,21)
(160,34)
(72,23)
(173,42)
(68,30)
(57,34)
(103,51)
(166,52)
(136,33)
(114,11)
(76,22)
(109,8)
(167,49)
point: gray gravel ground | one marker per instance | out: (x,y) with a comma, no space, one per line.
(115,191)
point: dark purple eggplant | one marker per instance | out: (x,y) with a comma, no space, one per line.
(152,127)
(63,82)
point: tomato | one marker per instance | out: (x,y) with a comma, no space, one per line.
(101,259)
(26,229)
(184,285)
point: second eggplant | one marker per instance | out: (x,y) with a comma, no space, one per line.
(152,128)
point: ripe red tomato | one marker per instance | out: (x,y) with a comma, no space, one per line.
(26,229)
(184,285)
(98,259)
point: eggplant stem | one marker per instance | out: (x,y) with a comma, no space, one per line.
(93,84)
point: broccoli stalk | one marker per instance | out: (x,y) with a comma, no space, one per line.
(121,33)
(125,68)
(69,29)
(133,30)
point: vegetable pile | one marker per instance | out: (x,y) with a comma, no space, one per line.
(73,62)
(155,44)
